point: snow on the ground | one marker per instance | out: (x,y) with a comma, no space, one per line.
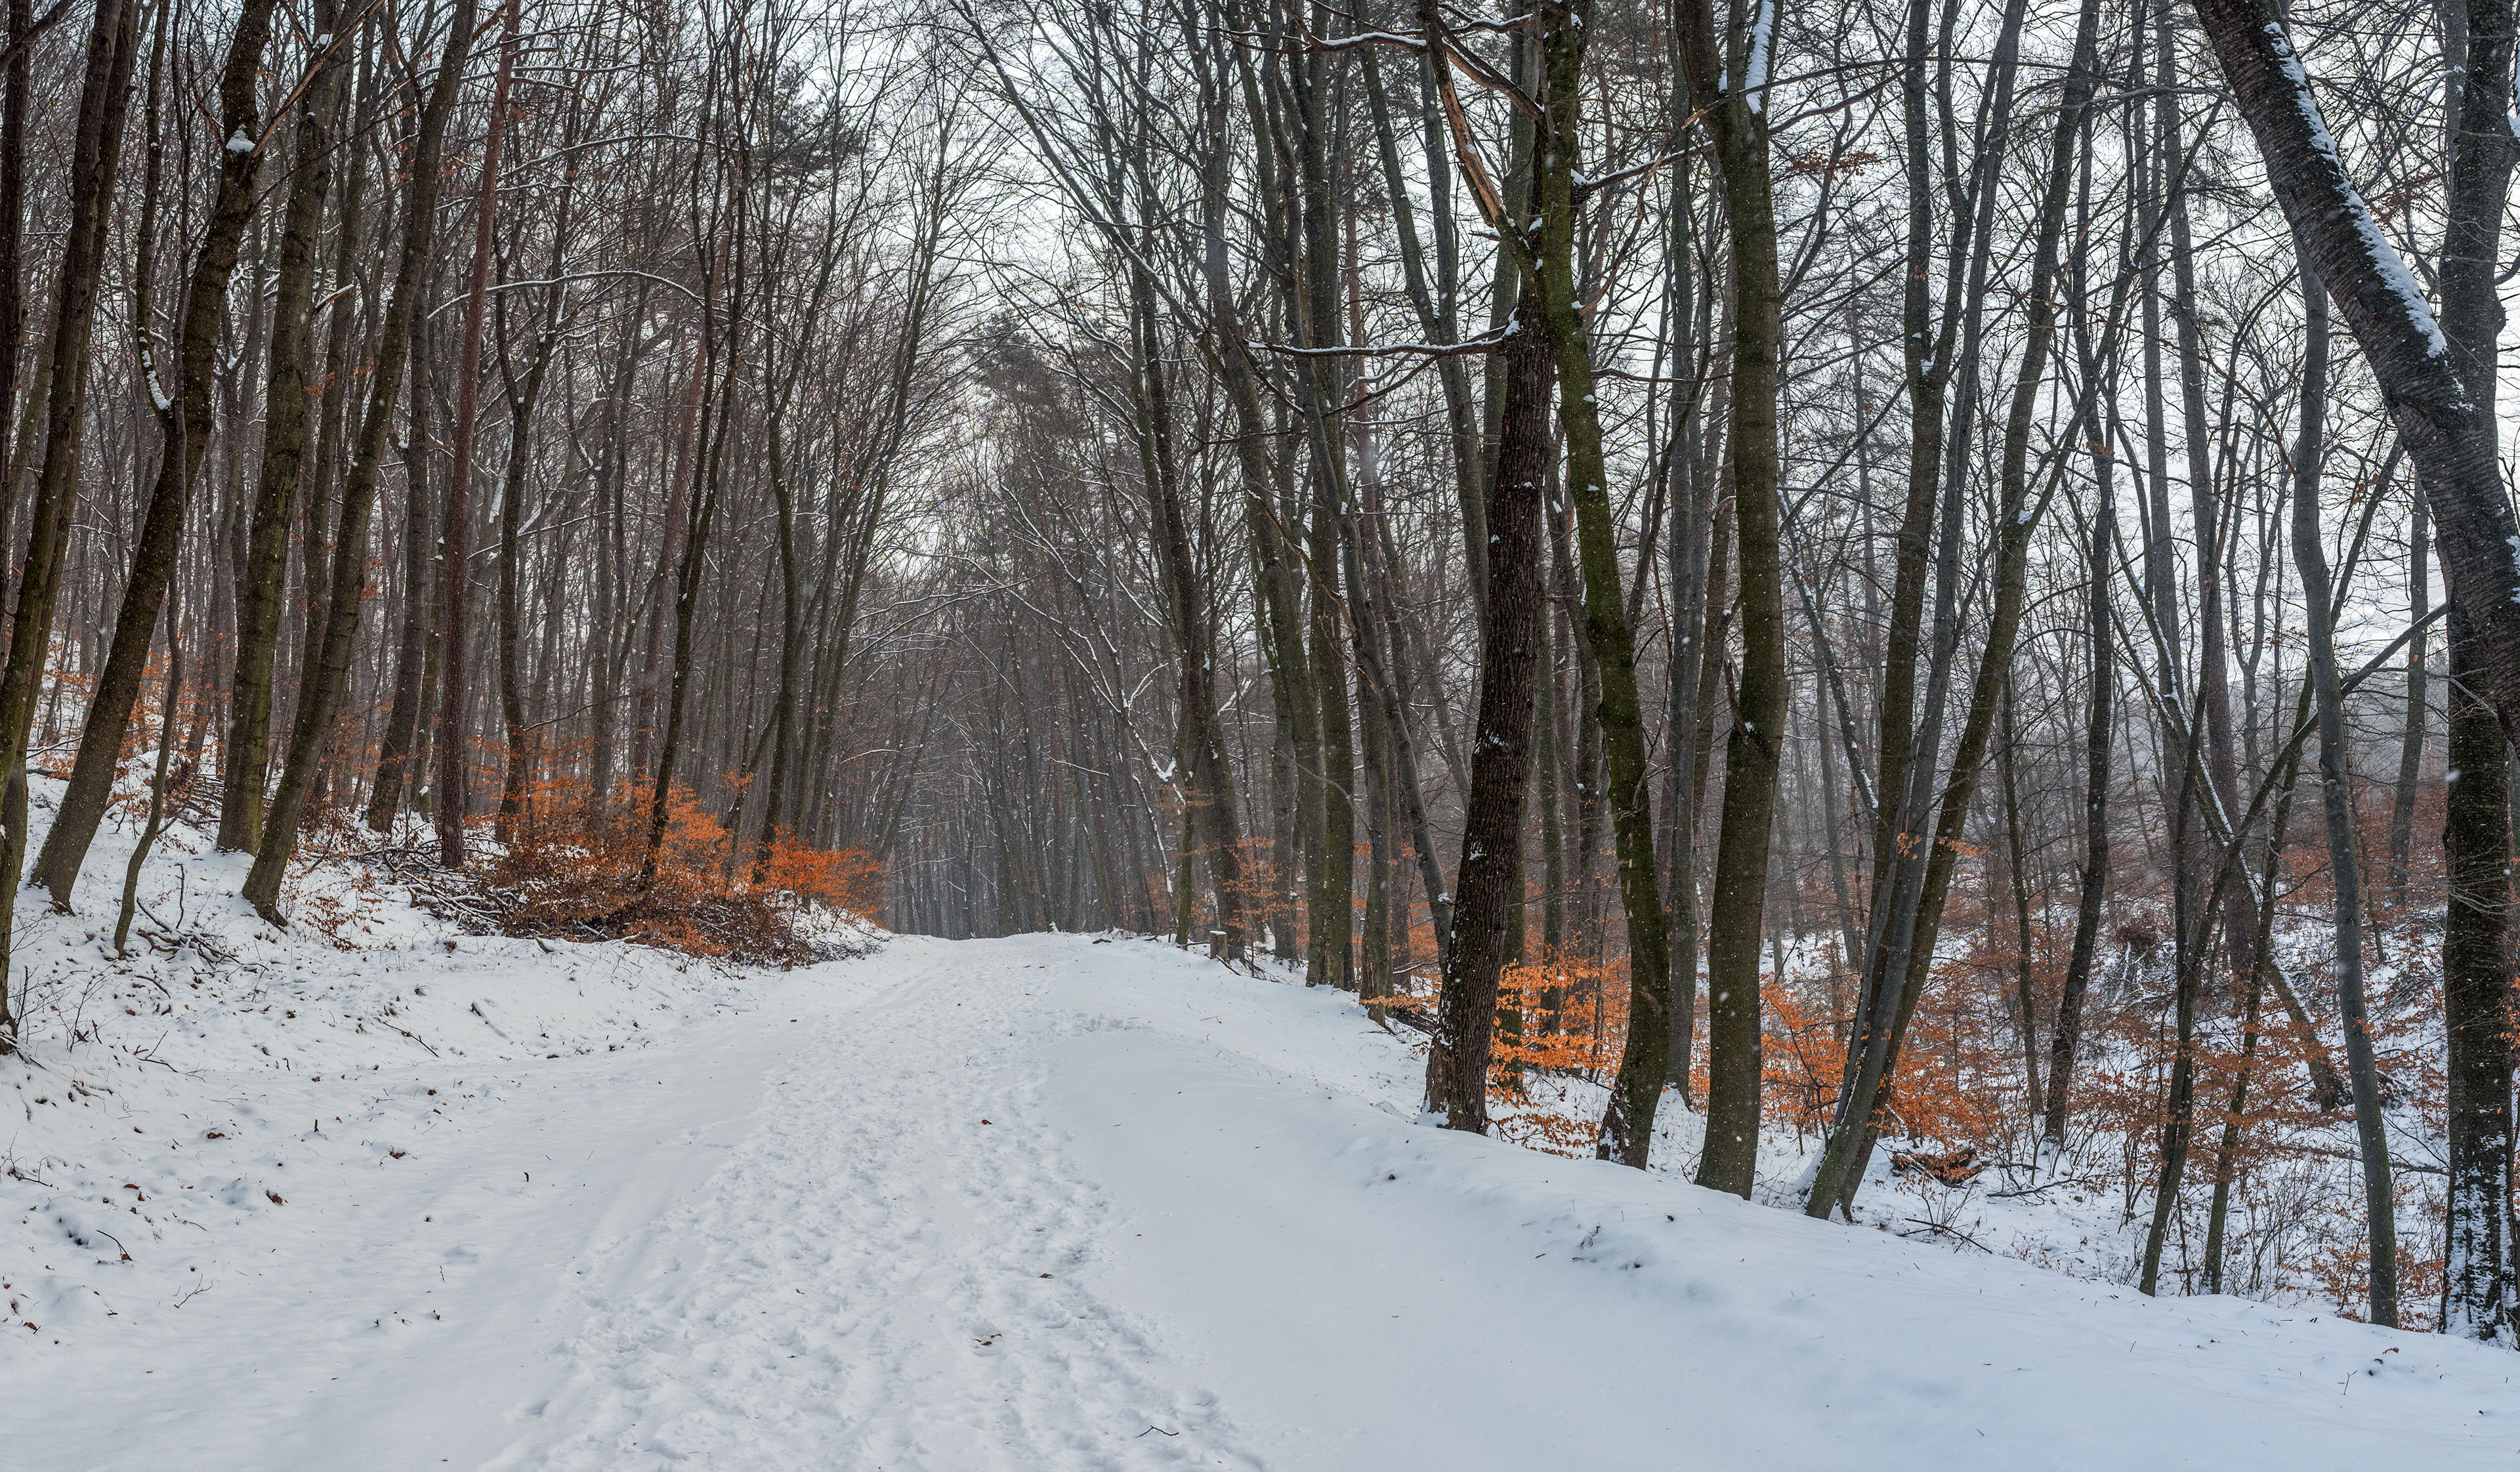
(1040,1203)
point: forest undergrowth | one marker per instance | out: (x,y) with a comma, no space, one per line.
(1961,1162)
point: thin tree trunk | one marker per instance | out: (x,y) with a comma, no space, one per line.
(2024,995)
(13,285)
(2226,1153)
(2309,554)
(2093,890)
(1906,934)
(2410,739)
(403,762)
(1488,893)
(1627,1126)
(1686,550)
(454,750)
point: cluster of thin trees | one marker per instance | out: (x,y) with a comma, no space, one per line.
(1763,494)
(1725,496)
(430,411)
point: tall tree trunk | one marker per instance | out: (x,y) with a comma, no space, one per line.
(723,342)
(326,676)
(14,447)
(1487,894)
(2025,994)
(679,495)
(2410,731)
(244,757)
(105,104)
(2309,554)
(12,283)
(453,751)
(1738,124)
(2226,1152)
(188,436)
(1910,930)
(2092,892)
(2213,678)
(1488,891)
(1686,550)
(1737,127)
(2481,1280)
(2480,1289)
(1627,1127)
(2092,885)
(403,762)
(1208,774)
(792,651)
(2179,1108)
(522,399)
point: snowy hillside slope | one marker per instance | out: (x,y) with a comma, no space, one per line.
(1047,1202)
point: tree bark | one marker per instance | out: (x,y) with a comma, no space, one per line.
(1736,122)
(2410,736)
(1627,1126)
(2091,891)
(2481,1290)
(402,762)
(2481,1280)
(1487,894)
(1488,890)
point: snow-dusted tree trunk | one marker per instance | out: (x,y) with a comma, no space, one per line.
(2480,1297)
(2433,403)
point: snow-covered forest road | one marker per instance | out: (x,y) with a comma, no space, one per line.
(1057,1203)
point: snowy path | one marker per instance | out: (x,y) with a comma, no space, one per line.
(1052,1204)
